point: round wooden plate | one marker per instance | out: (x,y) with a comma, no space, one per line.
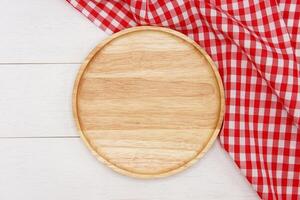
(148,102)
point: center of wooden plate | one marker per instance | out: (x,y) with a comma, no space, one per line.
(148,102)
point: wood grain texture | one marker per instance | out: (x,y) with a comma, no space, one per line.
(148,102)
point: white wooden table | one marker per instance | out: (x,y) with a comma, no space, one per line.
(42,44)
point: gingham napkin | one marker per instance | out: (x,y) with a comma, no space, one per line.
(256,46)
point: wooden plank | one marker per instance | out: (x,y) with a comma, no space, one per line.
(64,169)
(34,31)
(36,100)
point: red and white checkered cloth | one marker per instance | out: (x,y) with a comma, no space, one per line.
(256,46)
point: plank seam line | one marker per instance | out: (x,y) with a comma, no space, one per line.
(41,63)
(38,137)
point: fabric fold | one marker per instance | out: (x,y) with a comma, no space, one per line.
(255,45)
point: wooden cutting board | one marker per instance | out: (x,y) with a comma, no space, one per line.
(148,102)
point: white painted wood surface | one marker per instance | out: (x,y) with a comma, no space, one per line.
(36,100)
(52,168)
(44,31)
(42,44)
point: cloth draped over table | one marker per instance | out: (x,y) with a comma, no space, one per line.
(256,47)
